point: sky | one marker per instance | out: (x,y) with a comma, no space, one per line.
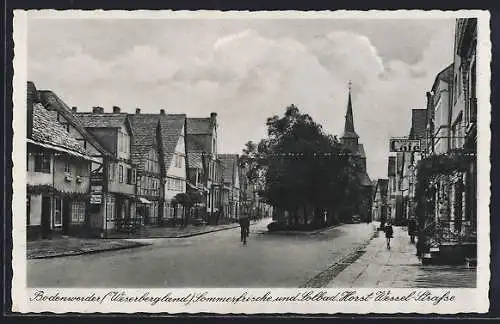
(247,70)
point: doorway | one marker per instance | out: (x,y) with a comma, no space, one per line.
(46,216)
(66,212)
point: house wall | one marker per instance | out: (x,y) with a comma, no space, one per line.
(121,187)
(78,168)
(38,178)
(176,172)
(108,137)
(123,143)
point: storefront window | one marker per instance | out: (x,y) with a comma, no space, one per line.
(78,212)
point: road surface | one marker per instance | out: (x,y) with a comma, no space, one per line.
(212,260)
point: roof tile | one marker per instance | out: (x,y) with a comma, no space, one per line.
(46,129)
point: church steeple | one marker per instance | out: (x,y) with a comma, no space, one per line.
(349,132)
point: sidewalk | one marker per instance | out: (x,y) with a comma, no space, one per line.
(399,267)
(60,247)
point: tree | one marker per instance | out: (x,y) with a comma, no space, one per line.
(188,200)
(301,166)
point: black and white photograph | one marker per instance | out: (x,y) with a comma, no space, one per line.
(257,162)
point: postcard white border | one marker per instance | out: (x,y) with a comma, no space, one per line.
(466,300)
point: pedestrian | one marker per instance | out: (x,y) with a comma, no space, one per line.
(388,234)
(244,228)
(412,229)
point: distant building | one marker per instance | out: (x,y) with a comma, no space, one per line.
(231,185)
(173,152)
(380,207)
(202,150)
(145,154)
(350,140)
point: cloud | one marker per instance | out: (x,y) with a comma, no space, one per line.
(246,76)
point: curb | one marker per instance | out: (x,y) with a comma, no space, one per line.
(193,234)
(325,277)
(304,233)
(197,234)
(137,245)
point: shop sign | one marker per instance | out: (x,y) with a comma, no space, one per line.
(404,145)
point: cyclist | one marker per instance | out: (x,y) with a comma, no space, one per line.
(245,228)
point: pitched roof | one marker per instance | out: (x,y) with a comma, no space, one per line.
(197,143)
(229,162)
(418,123)
(170,130)
(195,160)
(199,126)
(47,130)
(445,75)
(105,120)
(144,127)
(53,102)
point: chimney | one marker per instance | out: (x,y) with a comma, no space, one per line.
(137,111)
(213,118)
(98,110)
(74,109)
(162,111)
(116,110)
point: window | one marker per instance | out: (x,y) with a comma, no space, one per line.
(174,184)
(178,161)
(112,171)
(110,208)
(133,176)
(58,212)
(129,176)
(78,211)
(67,167)
(120,173)
(42,163)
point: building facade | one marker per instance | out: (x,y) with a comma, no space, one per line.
(202,141)
(117,203)
(145,154)
(58,174)
(380,207)
(231,185)
(174,158)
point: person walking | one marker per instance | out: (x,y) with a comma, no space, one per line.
(412,229)
(244,227)
(388,234)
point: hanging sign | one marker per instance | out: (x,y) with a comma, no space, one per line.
(404,145)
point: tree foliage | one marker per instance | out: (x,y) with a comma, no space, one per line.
(300,165)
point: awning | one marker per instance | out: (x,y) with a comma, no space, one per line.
(144,200)
(60,149)
(192,185)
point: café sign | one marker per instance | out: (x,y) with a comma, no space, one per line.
(404,145)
